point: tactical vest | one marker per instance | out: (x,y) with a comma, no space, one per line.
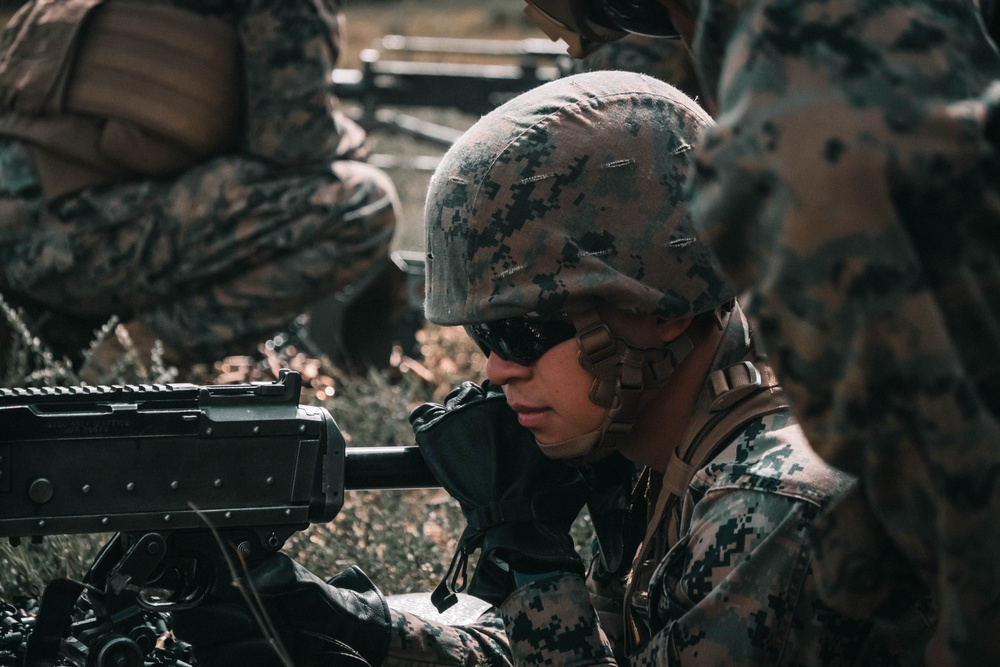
(732,397)
(740,393)
(106,90)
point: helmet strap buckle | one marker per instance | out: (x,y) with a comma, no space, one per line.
(621,374)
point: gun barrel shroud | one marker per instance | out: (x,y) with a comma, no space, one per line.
(180,456)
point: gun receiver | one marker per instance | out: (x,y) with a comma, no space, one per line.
(174,471)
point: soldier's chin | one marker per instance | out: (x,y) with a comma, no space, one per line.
(580,447)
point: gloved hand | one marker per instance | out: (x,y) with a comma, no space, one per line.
(518,503)
(343,621)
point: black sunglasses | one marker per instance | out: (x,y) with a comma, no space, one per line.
(521,339)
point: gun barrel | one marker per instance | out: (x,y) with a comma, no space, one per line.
(386,468)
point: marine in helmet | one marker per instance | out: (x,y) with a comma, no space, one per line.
(850,189)
(621,376)
(185,167)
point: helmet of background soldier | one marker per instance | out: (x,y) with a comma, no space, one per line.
(585,25)
(565,197)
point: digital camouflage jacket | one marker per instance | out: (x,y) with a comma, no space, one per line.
(736,589)
(851,186)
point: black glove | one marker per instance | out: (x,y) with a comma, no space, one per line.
(519,504)
(343,621)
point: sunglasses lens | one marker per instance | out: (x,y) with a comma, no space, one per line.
(520,339)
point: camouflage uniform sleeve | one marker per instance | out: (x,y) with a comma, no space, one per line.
(738,587)
(417,642)
(733,592)
(736,591)
(290,48)
(851,183)
(551,622)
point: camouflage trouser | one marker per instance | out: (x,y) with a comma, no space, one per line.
(221,256)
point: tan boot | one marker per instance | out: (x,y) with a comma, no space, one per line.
(132,354)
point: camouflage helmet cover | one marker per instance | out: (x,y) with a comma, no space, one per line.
(566,195)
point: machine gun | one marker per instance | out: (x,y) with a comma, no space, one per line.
(470,87)
(195,481)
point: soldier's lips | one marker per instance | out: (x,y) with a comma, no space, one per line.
(529,417)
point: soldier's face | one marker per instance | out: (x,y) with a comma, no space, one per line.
(550,395)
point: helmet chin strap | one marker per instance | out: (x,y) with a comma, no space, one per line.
(621,374)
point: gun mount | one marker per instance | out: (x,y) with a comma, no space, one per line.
(469,87)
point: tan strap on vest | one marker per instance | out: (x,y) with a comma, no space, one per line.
(171,72)
(139,87)
(738,394)
(36,49)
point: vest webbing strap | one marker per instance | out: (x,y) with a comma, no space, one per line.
(169,71)
(752,394)
(140,88)
(739,394)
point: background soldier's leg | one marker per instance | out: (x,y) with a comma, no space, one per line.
(296,243)
(227,252)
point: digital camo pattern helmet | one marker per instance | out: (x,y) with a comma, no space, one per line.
(569,194)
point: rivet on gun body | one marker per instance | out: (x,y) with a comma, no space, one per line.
(166,517)
(153,548)
(288,512)
(270,481)
(174,484)
(218,484)
(41,523)
(130,487)
(85,488)
(256,429)
(208,430)
(104,521)
(302,428)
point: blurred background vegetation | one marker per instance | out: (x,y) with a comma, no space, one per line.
(402,539)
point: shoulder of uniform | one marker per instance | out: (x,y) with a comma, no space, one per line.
(771,454)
